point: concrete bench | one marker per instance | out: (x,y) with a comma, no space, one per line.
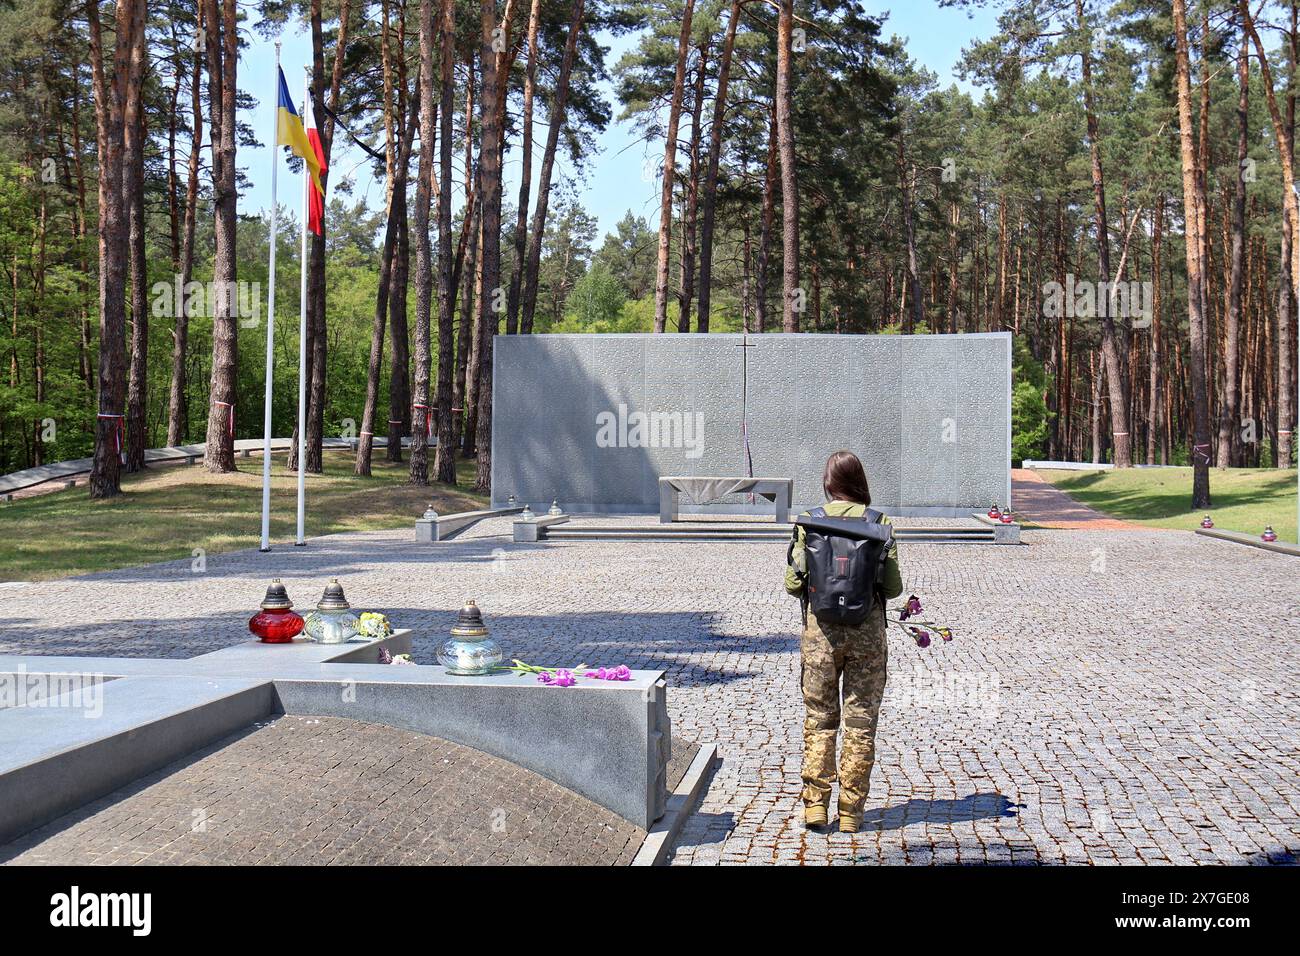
(435,527)
(535,530)
(1252,540)
(700,489)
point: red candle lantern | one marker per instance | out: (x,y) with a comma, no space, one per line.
(1207,522)
(994,513)
(277,622)
(1006,517)
(1269,534)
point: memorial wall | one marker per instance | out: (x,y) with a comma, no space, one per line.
(594,420)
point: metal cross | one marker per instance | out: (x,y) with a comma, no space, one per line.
(744,405)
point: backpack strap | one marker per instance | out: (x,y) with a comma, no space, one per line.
(875,517)
(817,512)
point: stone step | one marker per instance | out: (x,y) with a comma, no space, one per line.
(762,533)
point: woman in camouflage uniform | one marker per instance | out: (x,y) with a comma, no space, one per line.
(831,652)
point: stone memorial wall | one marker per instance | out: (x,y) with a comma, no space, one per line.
(594,420)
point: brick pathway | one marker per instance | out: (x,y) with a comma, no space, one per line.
(1039,502)
(303,790)
(1110,697)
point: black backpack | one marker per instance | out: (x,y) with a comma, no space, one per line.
(845,560)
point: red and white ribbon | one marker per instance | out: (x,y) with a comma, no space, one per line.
(231,420)
(428,419)
(120,433)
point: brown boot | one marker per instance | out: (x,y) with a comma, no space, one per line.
(850,820)
(814,815)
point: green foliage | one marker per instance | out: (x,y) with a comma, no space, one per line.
(1029,414)
(596,301)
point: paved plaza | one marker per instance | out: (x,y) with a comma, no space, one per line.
(1111,696)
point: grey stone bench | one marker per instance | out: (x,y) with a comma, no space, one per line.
(535,530)
(434,527)
(1253,540)
(701,489)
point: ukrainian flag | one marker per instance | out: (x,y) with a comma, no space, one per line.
(291,132)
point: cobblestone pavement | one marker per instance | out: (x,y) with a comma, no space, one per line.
(1123,696)
(304,790)
(1038,501)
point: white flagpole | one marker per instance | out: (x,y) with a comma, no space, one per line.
(270,319)
(302,343)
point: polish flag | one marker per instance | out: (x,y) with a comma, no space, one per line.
(315,197)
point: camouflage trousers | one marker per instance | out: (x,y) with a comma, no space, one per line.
(856,654)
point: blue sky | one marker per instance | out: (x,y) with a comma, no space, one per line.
(615,181)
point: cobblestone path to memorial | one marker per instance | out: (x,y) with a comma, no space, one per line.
(1040,502)
(1111,696)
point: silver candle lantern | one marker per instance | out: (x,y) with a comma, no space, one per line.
(469,651)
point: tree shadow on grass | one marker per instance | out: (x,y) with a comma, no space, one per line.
(1172,501)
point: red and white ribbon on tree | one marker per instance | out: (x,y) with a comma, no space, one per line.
(120,433)
(231,419)
(428,419)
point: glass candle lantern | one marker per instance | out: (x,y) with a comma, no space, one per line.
(469,651)
(333,621)
(277,622)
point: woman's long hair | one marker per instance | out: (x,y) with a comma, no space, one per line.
(845,480)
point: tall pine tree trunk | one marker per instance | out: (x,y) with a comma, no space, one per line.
(687,275)
(1116,377)
(399,366)
(793,294)
(137,392)
(419,469)
(670,172)
(178,401)
(1230,408)
(1153,408)
(1285,383)
(520,238)
(448,418)
(711,185)
(1196,316)
(111,97)
(223,58)
(470,293)
(556,122)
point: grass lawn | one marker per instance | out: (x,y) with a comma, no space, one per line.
(165,513)
(1244,499)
